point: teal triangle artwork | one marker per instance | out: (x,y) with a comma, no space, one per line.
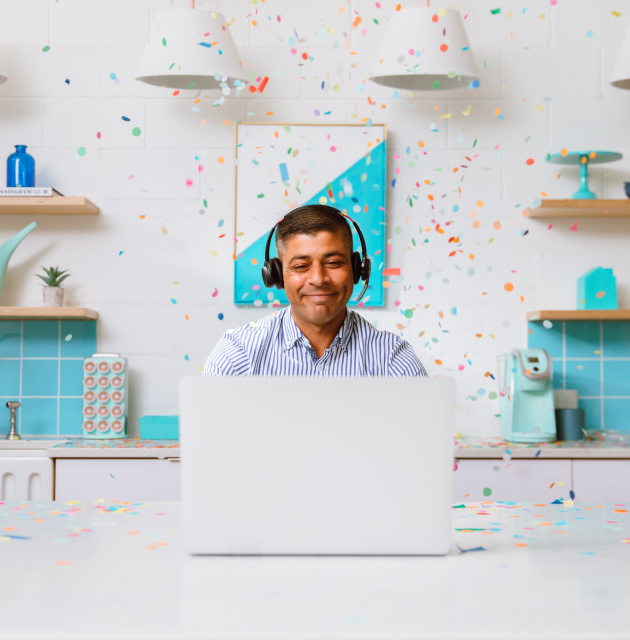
(360,190)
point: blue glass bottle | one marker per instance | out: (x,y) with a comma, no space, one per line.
(20,168)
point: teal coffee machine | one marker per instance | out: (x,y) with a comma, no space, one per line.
(526,396)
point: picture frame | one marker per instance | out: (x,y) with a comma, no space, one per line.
(280,166)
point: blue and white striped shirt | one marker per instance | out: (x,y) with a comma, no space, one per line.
(275,346)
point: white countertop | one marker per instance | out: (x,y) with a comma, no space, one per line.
(610,445)
(114,448)
(83,571)
(472,447)
(475,447)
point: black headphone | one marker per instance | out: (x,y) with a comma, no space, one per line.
(361,266)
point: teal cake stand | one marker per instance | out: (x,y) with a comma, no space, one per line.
(584,158)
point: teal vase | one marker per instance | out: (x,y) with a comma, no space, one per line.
(7,249)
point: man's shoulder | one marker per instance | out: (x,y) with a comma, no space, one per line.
(395,349)
(261,326)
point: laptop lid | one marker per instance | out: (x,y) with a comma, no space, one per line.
(308,465)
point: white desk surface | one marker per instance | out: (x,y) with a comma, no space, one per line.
(84,571)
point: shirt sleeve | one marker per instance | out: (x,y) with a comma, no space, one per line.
(404,362)
(228,358)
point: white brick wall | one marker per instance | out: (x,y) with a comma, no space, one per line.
(537,57)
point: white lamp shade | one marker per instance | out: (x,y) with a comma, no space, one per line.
(189,46)
(620,76)
(3,73)
(422,46)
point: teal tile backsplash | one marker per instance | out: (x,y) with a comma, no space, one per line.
(41,365)
(594,358)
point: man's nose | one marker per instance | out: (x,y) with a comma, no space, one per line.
(317,274)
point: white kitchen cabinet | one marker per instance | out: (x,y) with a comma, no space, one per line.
(26,477)
(517,480)
(601,480)
(127,479)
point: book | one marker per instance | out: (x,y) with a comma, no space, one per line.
(28,191)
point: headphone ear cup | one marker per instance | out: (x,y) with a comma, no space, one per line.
(277,274)
(356,267)
(266,275)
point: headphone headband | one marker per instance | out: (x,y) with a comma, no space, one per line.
(365,259)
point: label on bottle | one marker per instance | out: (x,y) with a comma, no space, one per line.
(26,191)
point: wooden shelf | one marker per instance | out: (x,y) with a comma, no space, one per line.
(47,206)
(581,315)
(47,313)
(569,208)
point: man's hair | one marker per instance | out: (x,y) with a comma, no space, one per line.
(310,220)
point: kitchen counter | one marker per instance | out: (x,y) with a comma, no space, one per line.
(610,447)
(476,447)
(114,570)
(118,448)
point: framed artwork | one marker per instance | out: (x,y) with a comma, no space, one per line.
(282,166)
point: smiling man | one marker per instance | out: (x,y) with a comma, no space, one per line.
(317,335)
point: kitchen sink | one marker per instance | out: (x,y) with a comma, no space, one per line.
(29,444)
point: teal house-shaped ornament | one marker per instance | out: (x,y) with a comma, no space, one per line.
(597,289)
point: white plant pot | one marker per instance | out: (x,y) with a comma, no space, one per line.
(53,296)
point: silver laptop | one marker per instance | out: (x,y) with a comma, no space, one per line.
(325,466)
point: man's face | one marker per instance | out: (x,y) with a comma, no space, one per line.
(317,276)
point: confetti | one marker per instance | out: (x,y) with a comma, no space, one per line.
(263,84)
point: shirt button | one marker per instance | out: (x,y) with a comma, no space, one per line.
(320,366)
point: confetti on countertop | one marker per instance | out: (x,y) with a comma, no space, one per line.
(462,443)
(601,441)
(122,443)
(542,551)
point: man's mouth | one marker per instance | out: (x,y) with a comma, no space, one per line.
(319,296)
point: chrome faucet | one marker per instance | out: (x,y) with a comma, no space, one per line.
(13,434)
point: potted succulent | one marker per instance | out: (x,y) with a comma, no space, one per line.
(53,293)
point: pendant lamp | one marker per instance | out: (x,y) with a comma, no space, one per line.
(620,76)
(425,49)
(190,49)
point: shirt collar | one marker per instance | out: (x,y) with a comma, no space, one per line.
(292,332)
